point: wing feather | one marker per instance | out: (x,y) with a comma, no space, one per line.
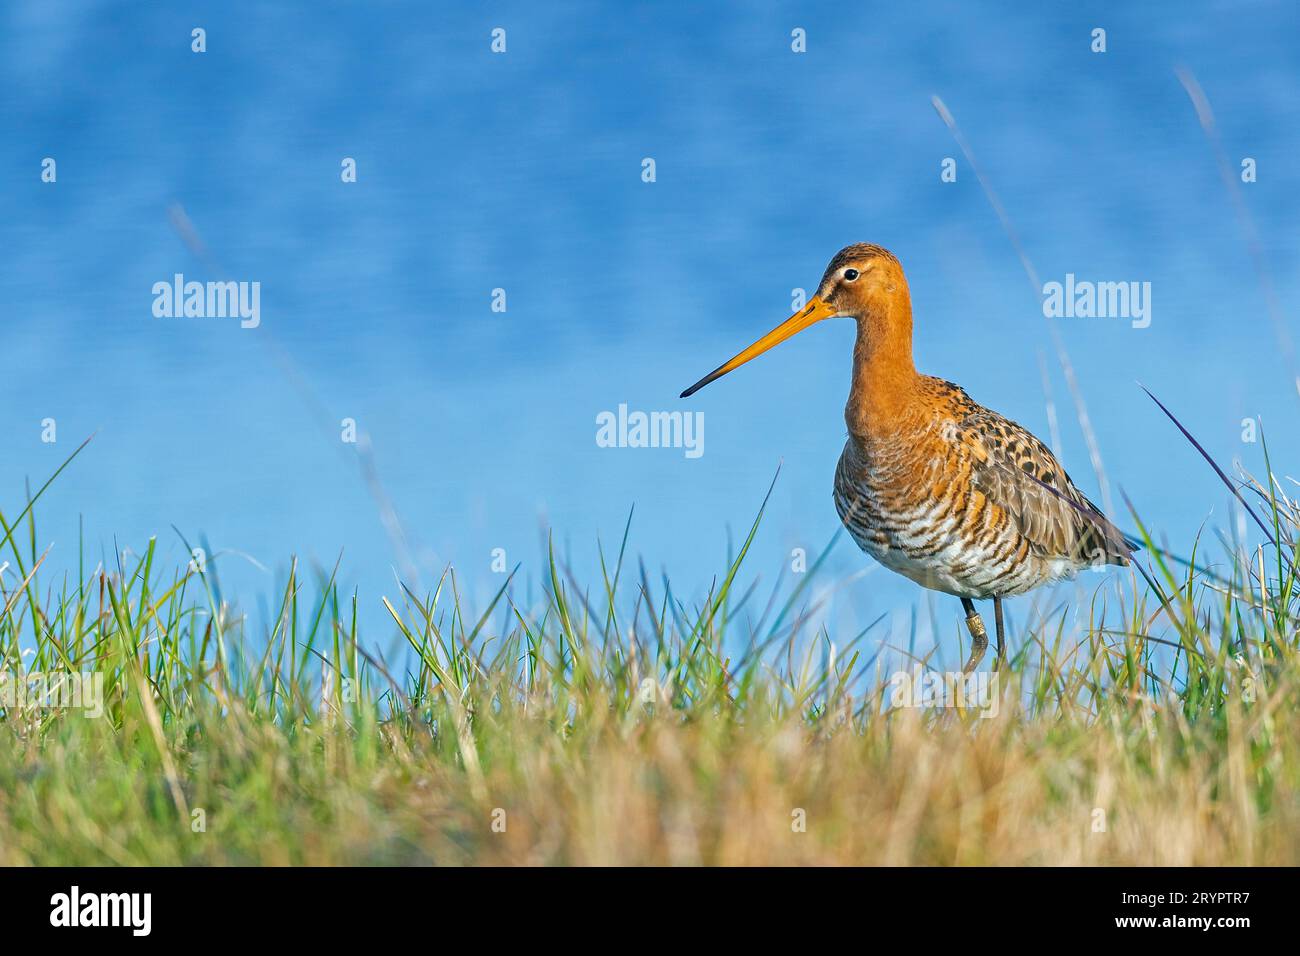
(1019,473)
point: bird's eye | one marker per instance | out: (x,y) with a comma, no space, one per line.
(850,275)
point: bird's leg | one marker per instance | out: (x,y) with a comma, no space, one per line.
(997,620)
(979,637)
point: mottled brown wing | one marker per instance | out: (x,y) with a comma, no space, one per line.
(1017,472)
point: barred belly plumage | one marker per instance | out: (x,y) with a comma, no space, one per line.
(940,542)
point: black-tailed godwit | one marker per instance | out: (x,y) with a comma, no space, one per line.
(931,484)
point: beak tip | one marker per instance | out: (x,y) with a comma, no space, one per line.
(698,385)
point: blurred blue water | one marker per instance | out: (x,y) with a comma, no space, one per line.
(522,171)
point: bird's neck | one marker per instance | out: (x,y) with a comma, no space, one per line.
(884,377)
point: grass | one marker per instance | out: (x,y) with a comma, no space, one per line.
(614,724)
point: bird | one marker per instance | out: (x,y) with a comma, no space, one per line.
(931,484)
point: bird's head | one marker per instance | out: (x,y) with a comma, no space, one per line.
(861,282)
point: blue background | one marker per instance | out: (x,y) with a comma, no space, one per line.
(523,171)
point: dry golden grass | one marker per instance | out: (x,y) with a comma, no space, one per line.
(604,732)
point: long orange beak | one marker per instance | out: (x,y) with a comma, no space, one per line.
(812,314)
